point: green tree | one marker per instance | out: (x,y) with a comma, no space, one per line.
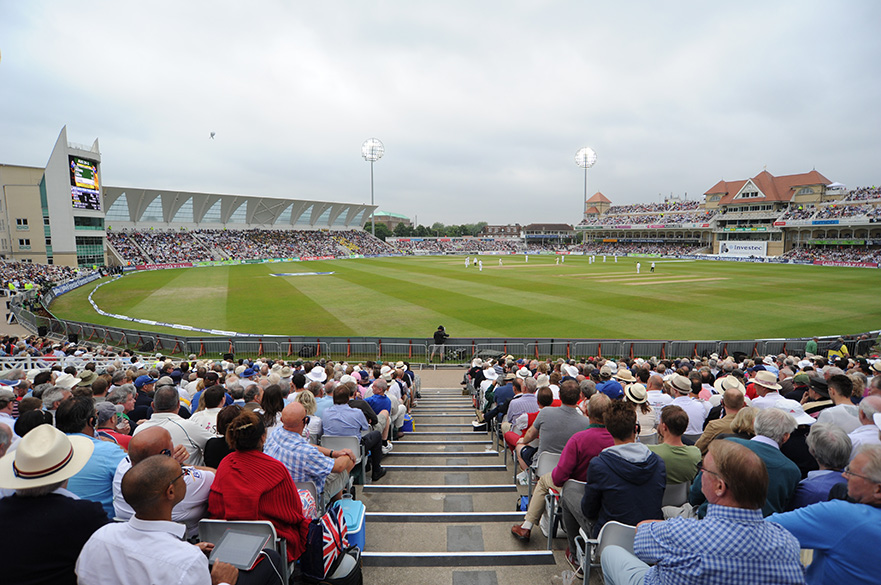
(382,231)
(403,230)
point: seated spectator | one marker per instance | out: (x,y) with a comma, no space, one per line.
(637,395)
(577,454)
(212,400)
(42,510)
(326,468)
(157,441)
(625,482)
(717,549)
(94,481)
(545,398)
(314,427)
(867,433)
(217,448)
(843,534)
(342,420)
(732,403)
(166,403)
(680,460)
(843,414)
(772,428)
(831,447)
(250,485)
(150,547)
(695,409)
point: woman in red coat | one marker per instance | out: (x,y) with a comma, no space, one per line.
(252,486)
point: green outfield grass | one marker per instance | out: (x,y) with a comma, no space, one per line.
(410,297)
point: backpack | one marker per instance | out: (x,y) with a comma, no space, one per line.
(326,544)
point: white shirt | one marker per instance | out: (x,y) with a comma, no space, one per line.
(766,401)
(6,419)
(183,432)
(845,416)
(188,511)
(696,412)
(863,435)
(207,419)
(141,551)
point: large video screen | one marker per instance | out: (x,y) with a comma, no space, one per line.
(84,188)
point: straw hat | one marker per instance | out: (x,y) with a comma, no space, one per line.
(44,456)
(636,393)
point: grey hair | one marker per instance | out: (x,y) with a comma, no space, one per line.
(38,492)
(531,385)
(587,387)
(5,437)
(870,405)
(774,424)
(121,393)
(381,384)
(872,469)
(829,445)
(166,399)
(52,396)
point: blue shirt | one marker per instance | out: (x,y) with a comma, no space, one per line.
(844,537)
(521,404)
(321,404)
(379,403)
(303,460)
(341,420)
(730,546)
(815,487)
(95,481)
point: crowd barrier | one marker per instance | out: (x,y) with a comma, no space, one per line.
(392,349)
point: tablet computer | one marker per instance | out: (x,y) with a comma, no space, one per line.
(239,548)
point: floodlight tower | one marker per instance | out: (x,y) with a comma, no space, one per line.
(585,158)
(372,150)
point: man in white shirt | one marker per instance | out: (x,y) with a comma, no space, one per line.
(868,431)
(7,401)
(183,432)
(157,441)
(149,547)
(207,417)
(695,409)
(767,388)
(844,413)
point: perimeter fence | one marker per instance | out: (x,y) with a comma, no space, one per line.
(414,350)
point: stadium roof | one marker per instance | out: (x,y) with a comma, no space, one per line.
(598,198)
(770,188)
(390,214)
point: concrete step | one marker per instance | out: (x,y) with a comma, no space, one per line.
(447,468)
(450,517)
(421,502)
(438,488)
(457,559)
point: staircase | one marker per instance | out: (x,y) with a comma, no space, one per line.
(442,515)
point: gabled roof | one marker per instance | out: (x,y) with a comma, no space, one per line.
(598,198)
(773,188)
(592,210)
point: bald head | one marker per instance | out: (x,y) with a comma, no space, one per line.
(732,400)
(150,441)
(152,487)
(293,417)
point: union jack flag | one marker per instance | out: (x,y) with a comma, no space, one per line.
(333,525)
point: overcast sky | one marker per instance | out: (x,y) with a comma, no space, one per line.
(481,105)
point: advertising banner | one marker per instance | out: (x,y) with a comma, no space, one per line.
(162,266)
(75,283)
(743,249)
(850,264)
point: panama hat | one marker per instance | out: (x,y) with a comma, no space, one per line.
(636,393)
(795,408)
(767,380)
(66,381)
(44,456)
(681,384)
(490,374)
(317,374)
(625,375)
(727,383)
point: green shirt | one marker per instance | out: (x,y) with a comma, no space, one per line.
(811,347)
(681,462)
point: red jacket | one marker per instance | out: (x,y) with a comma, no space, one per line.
(250,485)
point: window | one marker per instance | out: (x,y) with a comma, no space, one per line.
(805,191)
(88,223)
(21,223)
(119,209)
(24,243)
